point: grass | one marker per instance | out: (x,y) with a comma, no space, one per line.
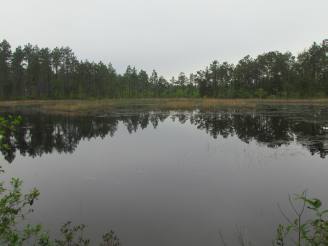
(103,105)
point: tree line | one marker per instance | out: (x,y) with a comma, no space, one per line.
(272,74)
(40,73)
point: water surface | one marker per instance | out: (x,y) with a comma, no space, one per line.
(172,177)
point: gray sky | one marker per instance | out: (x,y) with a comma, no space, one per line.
(168,35)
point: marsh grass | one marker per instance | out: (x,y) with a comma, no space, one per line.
(106,105)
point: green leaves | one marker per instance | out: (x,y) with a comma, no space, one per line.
(72,235)
(313,231)
(14,206)
(313,204)
(110,239)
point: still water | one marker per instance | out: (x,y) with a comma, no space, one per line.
(172,177)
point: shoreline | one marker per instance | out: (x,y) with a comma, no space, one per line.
(93,106)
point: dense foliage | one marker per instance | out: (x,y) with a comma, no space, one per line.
(33,72)
(273,74)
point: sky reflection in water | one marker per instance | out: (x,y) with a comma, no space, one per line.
(175,177)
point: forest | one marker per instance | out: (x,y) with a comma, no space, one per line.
(30,72)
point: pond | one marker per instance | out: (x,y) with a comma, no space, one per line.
(172,177)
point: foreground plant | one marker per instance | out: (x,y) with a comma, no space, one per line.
(313,231)
(14,207)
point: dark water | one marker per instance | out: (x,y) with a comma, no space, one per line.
(172,177)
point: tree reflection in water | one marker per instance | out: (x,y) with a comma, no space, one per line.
(271,126)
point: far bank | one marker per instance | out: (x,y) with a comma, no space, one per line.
(103,105)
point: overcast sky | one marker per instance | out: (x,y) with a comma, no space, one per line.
(168,35)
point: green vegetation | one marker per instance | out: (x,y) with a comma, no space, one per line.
(313,232)
(31,72)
